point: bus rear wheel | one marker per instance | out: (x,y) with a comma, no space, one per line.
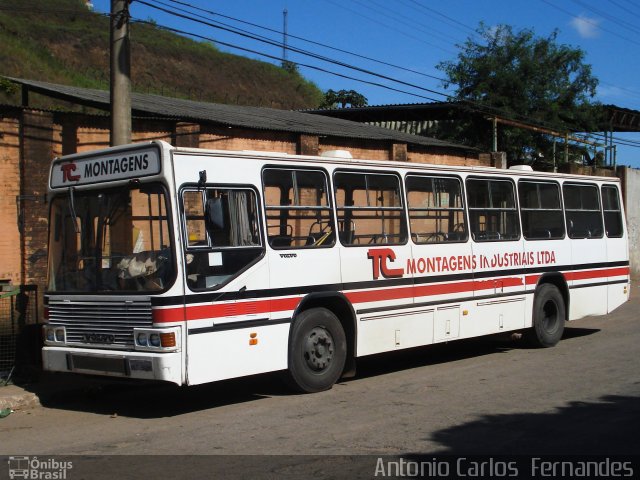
(548,317)
(317,351)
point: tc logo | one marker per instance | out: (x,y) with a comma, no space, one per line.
(379,258)
(67,173)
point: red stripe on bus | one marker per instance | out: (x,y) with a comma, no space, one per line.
(380,295)
(168,315)
(445,288)
(584,275)
(222,310)
(531,279)
(589,274)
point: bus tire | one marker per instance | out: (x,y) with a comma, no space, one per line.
(548,317)
(317,351)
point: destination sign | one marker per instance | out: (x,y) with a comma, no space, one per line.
(105,168)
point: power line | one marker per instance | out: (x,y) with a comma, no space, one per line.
(593,24)
(313,42)
(625,9)
(402,19)
(401,32)
(450,19)
(611,18)
(630,2)
(633,93)
(213,13)
(294,49)
(273,57)
(467,105)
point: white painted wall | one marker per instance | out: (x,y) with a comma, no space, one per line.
(631,177)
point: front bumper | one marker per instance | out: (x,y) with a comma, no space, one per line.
(142,365)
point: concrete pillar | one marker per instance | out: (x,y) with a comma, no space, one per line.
(308,145)
(399,152)
(499,159)
(69,135)
(186,135)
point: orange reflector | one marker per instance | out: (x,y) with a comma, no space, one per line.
(168,339)
(465,312)
(253,335)
(253,341)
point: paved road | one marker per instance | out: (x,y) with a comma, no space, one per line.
(482,396)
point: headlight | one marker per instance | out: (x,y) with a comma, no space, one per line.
(59,333)
(141,339)
(154,340)
(51,336)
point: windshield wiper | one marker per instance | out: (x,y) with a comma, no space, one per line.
(72,210)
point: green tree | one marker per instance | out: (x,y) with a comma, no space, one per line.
(8,87)
(342,98)
(524,77)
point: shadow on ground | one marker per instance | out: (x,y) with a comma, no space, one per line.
(156,400)
(605,427)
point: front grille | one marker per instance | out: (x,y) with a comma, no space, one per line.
(101,323)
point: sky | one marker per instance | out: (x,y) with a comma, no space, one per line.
(405,40)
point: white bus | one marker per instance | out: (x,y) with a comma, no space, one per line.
(193,266)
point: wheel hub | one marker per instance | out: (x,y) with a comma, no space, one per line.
(318,349)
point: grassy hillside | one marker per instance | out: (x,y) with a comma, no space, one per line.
(61,41)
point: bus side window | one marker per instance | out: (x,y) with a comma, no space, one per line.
(541,210)
(196,232)
(492,210)
(222,234)
(297,208)
(370,209)
(436,209)
(612,211)
(582,210)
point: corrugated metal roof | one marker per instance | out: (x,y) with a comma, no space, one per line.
(234,115)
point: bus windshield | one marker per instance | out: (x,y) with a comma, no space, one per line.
(114,240)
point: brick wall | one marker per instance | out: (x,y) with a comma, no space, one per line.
(10,266)
(37,152)
(583,170)
(243,139)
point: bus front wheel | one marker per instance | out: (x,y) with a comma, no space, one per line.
(548,317)
(317,351)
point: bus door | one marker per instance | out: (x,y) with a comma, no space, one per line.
(442,261)
(373,260)
(301,234)
(585,228)
(498,252)
(224,268)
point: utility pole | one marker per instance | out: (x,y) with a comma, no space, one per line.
(120,74)
(284,36)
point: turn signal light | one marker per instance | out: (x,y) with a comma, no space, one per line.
(168,339)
